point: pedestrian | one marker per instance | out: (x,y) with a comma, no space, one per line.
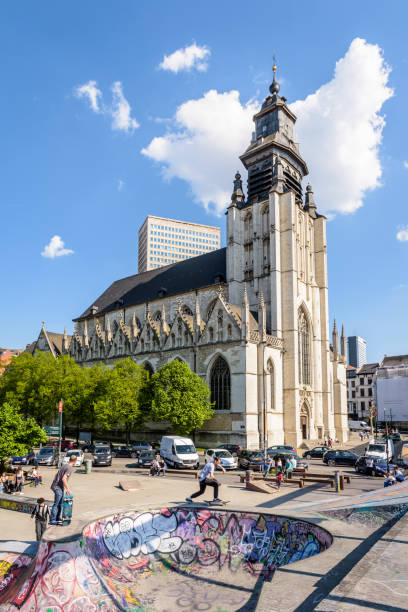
(288,467)
(370,465)
(268,465)
(399,476)
(59,487)
(361,434)
(293,461)
(278,463)
(162,466)
(19,481)
(41,513)
(389,480)
(206,479)
(279,480)
(330,443)
(325,443)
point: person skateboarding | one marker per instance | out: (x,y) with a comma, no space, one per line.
(58,487)
(206,479)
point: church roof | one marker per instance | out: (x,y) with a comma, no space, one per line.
(181,277)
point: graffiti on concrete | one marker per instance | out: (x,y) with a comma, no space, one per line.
(11,565)
(371,517)
(16,505)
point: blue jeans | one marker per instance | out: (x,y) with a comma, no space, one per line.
(56,510)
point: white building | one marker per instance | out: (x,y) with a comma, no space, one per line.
(252,318)
(392,390)
(360,391)
(166,241)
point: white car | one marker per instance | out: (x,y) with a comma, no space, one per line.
(79,455)
(228,461)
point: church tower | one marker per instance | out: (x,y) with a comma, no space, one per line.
(276,245)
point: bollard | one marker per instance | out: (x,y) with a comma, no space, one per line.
(337,481)
(341,482)
(248,478)
(88,466)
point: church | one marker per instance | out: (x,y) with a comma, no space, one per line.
(252,318)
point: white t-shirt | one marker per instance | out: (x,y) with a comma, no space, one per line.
(293,462)
(207,471)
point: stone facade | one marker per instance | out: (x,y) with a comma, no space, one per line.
(258,331)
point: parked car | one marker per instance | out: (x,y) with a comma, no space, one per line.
(102,455)
(27,459)
(65,444)
(47,455)
(316,453)
(179,452)
(358,426)
(228,462)
(123,451)
(251,460)
(379,467)
(234,449)
(280,448)
(381,447)
(340,457)
(138,447)
(146,458)
(300,463)
(79,455)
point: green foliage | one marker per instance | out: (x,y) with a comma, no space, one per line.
(17,435)
(125,397)
(181,397)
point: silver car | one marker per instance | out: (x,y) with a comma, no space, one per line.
(48,455)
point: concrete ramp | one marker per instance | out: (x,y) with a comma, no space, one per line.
(130,485)
(260,487)
(177,558)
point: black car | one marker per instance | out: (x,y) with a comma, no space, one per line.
(138,447)
(276,449)
(146,458)
(340,457)
(373,466)
(316,453)
(102,456)
(234,449)
(123,451)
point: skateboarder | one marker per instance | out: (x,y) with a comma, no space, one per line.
(58,487)
(206,478)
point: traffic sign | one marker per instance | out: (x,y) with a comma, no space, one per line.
(51,430)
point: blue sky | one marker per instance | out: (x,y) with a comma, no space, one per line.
(91,175)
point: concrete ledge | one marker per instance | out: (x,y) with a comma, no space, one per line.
(19,503)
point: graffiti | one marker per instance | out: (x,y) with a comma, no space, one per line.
(371,517)
(11,565)
(16,505)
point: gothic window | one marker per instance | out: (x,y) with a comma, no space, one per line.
(219,325)
(179,332)
(248,228)
(220,383)
(148,334)
(265,221)
(211,334)
(304,346)
(173,340)
(147,366)
(186,338)
(266,256)
(210,308)
(142,345)
(229,330)
(271,374)
(187,310)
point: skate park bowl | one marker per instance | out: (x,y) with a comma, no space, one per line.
(174,558)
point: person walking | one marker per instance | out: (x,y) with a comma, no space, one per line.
(41,513)
(206,479)
(19,481)
(279,480)
(59,487)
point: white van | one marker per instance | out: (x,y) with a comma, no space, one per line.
(378,448)
(358,426)
(179,452)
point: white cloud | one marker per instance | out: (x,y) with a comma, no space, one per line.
(55,248)
(339,129)
(121,184)
(91,93)
(402,235)
(212,131)
(119,111)
(405,164)
(188,58)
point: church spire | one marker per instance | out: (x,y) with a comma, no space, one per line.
(238,193)
(335,340)
(310,204)
(261,317)
(245,315)
(343,342)
(274,86)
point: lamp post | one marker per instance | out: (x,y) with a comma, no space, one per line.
(371,411)
(60,407)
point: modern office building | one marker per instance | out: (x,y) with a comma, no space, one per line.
(357,351)
(166,241)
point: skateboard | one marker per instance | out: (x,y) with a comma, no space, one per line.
(67,509)
(222,502)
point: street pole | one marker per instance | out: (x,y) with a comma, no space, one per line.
(60,407)
(371,410)
(386,442)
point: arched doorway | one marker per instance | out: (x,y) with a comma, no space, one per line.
(304,422)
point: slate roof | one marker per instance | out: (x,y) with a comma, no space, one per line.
(181,277)
(396,360)
(368,368)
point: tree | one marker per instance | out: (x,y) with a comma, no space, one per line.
(125,397)
(181,397)
(17,435)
